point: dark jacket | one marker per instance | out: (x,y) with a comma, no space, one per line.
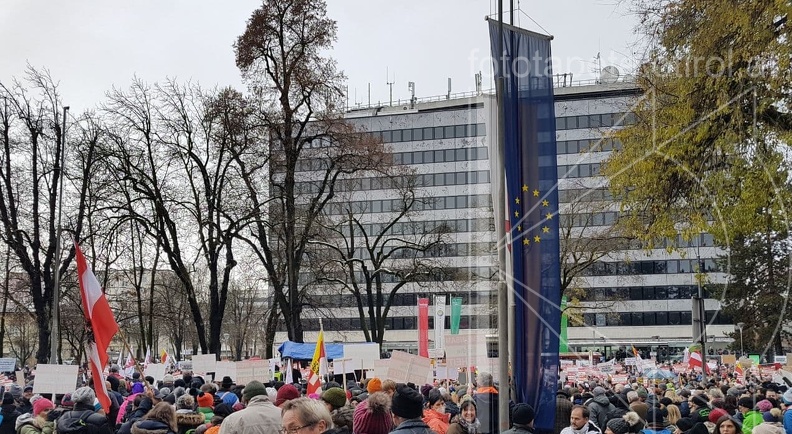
(145,406)
(10,415)
(599,407)
(24,406)
(519,429)
(563,412)
(150,427)
(487,411)
(69,422)
(413,426)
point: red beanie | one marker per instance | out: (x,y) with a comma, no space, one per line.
(373,416)
(42,404)
(716,414)
(287,392)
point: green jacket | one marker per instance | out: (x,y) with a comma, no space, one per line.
(750,420)
(30,428)
(209,414)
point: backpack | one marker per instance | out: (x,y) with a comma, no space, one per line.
(75,425)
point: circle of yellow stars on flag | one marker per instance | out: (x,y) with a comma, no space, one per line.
(536,238)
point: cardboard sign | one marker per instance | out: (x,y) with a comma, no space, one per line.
(619,379)
(203,363)
(155,370)
(20,378)
(55,379)
(409,368)
(359,356)
(7,364)
(380,368)
(249,370)
(464,350)
(227,368)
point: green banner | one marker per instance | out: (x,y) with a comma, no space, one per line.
(563,347)
(456,314)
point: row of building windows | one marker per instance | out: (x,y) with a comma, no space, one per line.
(428,226)
(430,133)
(585,195)
(441,156)
(411,299)
(393,323)
(587,145)
(671,266)
(384,183)
(661,318)
(638,293)
(437,251)
(460,274)
(594,121)
(422,204)
(581,170)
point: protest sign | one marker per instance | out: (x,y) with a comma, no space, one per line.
(249,370)
(226,368)
(157,371)
(464,350)
(7,364)
(203,363)
(380,368)
(55,379)
(20,378)
(728,359)
(359,356)
(409,368)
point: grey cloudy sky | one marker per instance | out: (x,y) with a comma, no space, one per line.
(91,45)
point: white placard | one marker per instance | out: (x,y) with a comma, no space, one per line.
(464,350)
(203,363)
(156,370)
(227,368)
(20,378)
(7,364)
(55,379)
(409,368)
(249,370)
(359,356)
(380,368)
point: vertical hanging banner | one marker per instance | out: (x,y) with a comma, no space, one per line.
(563,346)
(531,175)
(456,314)
(423,327)
(439,321)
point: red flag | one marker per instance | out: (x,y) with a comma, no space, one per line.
(696,361)
(101,322)
(317,364)
(423,327)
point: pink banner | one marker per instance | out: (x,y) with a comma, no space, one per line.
(423,327)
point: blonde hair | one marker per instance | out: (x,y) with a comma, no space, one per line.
(309,411)
(388,386)
(673,413)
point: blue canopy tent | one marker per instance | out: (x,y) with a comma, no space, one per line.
(303,352)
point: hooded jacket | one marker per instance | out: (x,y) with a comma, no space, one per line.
(10,415)
(599,407)
(750,420)
(145,406)
(769,428)
(151,427)
(69,421)
(259,417)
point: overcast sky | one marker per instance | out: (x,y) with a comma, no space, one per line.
(91,45)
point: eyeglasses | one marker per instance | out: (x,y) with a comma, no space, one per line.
(295,430)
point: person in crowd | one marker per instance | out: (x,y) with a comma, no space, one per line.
(374,385)
(160,420)
(186,416)
(631,422)
(466,422)
(771,423)
(259,416)
(486,397)
(580,422)
(672,416)
(389,387)
(23,403)
(699,408)
(407,409)
(655,422)
(728,425)
(600,406)
(522,419)
(451,407)
(334,398)
(750,416)
(305,416)
(220,413)
(9,414)
(286,393)
(786,398)
(343,420)
(225,394)
(373,415)
(636,404)
(563,410)
(127,405)
(141,405)
(434,415)
(205,402)
(77,421)
(39,423)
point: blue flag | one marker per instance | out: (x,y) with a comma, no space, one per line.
(532,203)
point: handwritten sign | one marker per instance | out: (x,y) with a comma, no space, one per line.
(409,368)
(55,379)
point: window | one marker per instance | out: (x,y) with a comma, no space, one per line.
(428,156)
(583,121)
(438,132)
(387,136)
(396,135)
(428,133)
(417,134)
(461,154)
(459,131)
(448,132)
(407,135)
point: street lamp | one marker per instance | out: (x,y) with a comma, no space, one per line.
(225,338)
(740,326)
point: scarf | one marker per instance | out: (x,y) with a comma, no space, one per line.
(583,430)
(471,427)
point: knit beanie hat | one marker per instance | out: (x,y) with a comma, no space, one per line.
(223,410)
(83,395)
(42,404)
(286,393)
(205,400)
(618,426)
(334,396)
(407,403)
(522,414)
(253,388)
(716,414)
(374,385)
(764,405)
(372,416)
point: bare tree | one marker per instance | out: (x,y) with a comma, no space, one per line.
(298,92)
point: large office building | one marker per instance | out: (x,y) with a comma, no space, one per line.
(631,296)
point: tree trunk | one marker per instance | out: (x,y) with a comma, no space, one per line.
(5,301)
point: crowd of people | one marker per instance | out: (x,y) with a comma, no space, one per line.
(186,404)
(722,407)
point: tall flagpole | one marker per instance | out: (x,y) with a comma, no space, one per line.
(503,298)
(55,328)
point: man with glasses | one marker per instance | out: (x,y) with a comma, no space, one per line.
(305,416)
(260,416)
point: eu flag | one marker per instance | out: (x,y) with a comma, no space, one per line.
(532,195)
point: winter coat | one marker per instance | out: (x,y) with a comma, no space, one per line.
(451,408)
(70,421)
(750,420)
(128,403)
(24,406)
(487,410)
(591,428)
(207,412)
(437,422)
(188,420)
(599,407)
(460,428)
(10,415)
(412,426)
(563,412)
(27,424)
(144,407)
(641,408)
(788,422)
(227,397)
(259,417)
(151,427)
(519,429)
(769,428)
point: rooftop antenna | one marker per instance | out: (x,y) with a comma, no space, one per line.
(369,94)
(598,66)
(411,88)
(478,83)
(448,95)
(390,84)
